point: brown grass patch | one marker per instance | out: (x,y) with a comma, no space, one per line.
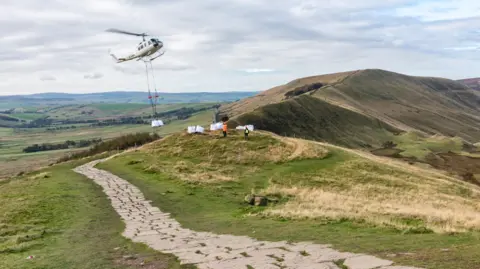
(380,205)
(260,148)
(190,172)
(40,175)
(383,191)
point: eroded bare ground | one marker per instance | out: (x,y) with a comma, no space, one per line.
(147,224)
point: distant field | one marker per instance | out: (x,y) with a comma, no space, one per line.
(99,111)
(60,99)
(119,107)
(13,141)
(28,116)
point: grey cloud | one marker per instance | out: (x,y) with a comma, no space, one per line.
(95,75)
(47,78)
(212,37)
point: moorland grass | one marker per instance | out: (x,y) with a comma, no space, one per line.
(64,220)
(378,208)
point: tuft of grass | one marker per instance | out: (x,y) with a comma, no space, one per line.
(41,175)
(244,254)
(340,264)
(278,259)
(304,253)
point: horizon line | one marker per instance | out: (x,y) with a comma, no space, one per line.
(125,91)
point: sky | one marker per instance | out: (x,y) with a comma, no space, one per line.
(230,45)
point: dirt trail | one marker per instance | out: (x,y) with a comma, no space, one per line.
(147,224)
(300,145)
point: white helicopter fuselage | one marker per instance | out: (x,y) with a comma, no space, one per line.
(144,49)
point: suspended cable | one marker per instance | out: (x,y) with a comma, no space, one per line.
(154,86)
(149,92)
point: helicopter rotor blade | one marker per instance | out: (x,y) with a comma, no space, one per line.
(113,30)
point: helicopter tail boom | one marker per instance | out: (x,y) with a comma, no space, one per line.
(117,59)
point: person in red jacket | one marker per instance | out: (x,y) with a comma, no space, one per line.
(224,129)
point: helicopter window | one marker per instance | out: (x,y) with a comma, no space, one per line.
(149,42)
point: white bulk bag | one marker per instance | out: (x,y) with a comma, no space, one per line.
(199,129)
(157,123)
(216,126)
(191,129)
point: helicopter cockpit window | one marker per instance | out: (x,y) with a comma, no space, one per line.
(149,42)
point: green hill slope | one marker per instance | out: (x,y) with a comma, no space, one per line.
(377,101)
(311,118)
(317,191)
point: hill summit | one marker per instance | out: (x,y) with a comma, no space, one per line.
(362,108)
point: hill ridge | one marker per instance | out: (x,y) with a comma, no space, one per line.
(429,105)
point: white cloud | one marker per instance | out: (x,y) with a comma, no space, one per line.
(47,78)
(208,42)
(94,75)
(258,70)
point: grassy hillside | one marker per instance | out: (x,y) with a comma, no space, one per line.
(277,94)
(312,118)
(64,220)
(428,105)
(473,83)
(318,192)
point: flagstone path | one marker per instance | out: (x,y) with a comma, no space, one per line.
(147,224)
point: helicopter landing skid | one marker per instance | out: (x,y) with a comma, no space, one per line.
(152,57)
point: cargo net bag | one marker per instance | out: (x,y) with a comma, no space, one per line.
(195,129)
(157,123)
(216,126)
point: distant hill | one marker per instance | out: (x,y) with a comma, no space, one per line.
(473,83)
(49,99)
(362,108)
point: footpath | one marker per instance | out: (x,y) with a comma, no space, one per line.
(147,224)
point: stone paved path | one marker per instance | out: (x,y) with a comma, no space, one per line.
(147,224)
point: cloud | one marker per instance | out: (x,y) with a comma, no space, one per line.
(211,41)
(47,78)
(94,75)
(258,70)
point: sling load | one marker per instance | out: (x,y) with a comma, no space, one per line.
(147,51)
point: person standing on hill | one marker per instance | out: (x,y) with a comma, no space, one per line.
(246,132)
(224,129)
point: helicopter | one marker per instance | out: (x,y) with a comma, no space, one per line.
(147,50)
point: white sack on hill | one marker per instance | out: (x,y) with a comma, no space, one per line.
(157,123)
